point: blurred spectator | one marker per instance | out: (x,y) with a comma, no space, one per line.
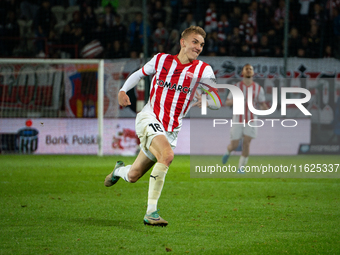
(212,44)
(336,30)
(277,52)
(11,32)
(11,5)
(100,32)
(279,31)
(157,13)
(224,28)
(294,42)
(245,25)
(173,42)
(264,49)
(228,4)
(44,22)
(113,3)
(159,36)
(328,53)
(301,53)
(109,16)
(211,18)
(235,41)
(331,6)
(72,37)
(185,7)
(235,17)
(189,21)
(67,38)
(119,30)
(245,51)
(28,9)
(316,13)
(135,33)
(89,21)
(253,15)
(304,13)
(263,18)
(304,45)
(251,40)
(76,21)
(116,51)
(314,41)
(280,11)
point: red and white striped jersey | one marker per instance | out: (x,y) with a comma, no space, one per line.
(171,87)
(258,97)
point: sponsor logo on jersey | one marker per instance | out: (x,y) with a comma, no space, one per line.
(176,87)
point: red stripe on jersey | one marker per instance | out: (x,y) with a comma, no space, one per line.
(258,93)
(154,80)
(181,100)
(144,71)
(170,95)
(253,88)
(203,66)
(162,77)
(241,116)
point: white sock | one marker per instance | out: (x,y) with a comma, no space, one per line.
(123,172)
(242,162)
(227,152)
(156,183)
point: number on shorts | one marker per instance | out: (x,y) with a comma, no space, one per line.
(156,127)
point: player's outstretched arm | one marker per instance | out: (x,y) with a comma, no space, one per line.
(123,99)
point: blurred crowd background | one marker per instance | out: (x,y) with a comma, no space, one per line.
(114,28)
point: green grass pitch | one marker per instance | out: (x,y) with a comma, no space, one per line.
(59,205)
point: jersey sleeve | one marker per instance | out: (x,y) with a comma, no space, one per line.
(146,70)
(150,67)
(208,73)
(213,99)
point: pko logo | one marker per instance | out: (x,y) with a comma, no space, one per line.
(238,100)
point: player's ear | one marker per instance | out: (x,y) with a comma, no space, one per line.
(182,42)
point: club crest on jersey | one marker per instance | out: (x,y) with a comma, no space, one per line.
(176,87)
(189,75)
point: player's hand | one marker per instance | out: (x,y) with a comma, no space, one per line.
(198,97)
(123,99)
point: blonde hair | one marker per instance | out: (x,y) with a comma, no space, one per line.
(193,29)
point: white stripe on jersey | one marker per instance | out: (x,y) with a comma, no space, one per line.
(158,71)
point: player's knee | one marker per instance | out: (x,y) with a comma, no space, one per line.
(166,157)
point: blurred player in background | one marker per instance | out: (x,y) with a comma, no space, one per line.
(157,125)
(244,131)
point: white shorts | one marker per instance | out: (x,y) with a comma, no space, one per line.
(147,128)
(237,132)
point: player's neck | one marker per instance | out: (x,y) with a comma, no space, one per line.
(183,58)
(247,81)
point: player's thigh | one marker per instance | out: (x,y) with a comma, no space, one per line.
(246,140)
(147,128)
(161,149)
(250,131)
(234,143)
(236,133)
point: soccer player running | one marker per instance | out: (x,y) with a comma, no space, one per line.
(240,128)
(157,125)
